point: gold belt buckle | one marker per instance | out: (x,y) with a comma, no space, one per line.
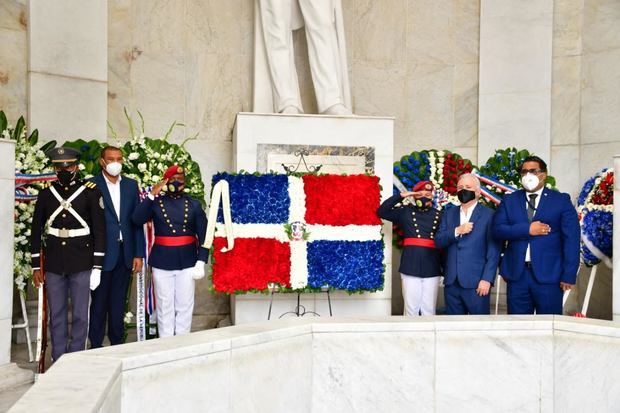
(63,233)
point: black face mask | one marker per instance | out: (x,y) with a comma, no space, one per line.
(175,187)
(65,177)
(465,195)
(422,202)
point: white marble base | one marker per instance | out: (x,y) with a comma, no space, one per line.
(254,129)
(369,364)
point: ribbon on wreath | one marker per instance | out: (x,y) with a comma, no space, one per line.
(21,180)
(221,193)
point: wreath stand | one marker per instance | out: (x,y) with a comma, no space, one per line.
(26,326)
(299,310)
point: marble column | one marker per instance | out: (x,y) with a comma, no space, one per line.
(515,76)
(10,374)
(615,299)
(68,68)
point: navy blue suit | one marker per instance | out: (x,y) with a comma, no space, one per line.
(172,225)
(554,257)
(108,299)
(469,258)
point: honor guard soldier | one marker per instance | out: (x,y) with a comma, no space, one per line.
(68,239)
(420,263)
(177,257)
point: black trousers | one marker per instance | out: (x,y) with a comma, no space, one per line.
(108,305)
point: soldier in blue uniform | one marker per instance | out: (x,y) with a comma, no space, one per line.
(68,227)
(420,263)
(178,257)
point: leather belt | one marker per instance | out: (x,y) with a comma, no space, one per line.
(175,241)
(68,233)
(419,242)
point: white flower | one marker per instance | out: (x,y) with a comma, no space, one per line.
(155,178)
(81,166)
(128,317)
(133,156)
(142,167)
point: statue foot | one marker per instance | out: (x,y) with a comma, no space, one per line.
(292,110)
(338,110)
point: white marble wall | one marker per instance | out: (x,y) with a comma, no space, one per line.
(13,58)
(515,75)
(68,68)
(7,189)
(438,364)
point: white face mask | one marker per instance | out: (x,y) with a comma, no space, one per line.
(530,181)
(114,168)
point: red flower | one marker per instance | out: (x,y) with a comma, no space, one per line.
(326,194)
(252,264)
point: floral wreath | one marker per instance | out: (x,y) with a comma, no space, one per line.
(442,168)
(595,212)
(145,159)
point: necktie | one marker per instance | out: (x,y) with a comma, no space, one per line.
(531,206)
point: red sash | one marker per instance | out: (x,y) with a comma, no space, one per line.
(175,241)
(419,242)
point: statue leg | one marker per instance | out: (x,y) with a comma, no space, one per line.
(323,53)
(278,37)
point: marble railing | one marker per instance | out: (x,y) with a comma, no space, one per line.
(388,364)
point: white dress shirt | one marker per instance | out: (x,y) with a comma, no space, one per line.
(115,194)
(527,205)
(465,216)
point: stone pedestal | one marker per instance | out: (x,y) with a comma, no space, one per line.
(262,142)
(10,375)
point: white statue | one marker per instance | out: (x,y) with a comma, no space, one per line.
(276,87)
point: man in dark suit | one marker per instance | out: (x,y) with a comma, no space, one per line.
(542,255)
(472,254)
(124,249)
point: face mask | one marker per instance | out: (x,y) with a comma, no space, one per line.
(530,181)
(65,177)
(114,168)
(423,201)
(176,186)
(465,195)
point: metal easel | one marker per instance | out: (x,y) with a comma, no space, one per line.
(300,310)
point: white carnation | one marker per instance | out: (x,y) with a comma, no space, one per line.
(133,156)
(142,167)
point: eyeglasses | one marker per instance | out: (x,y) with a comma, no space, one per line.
(531,171)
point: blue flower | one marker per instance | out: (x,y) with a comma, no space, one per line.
(84,148)
(256,199)
(346,265)
(396,169)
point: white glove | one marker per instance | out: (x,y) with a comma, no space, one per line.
(199,270)
(95,278)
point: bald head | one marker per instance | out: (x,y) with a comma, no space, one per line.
(468,181)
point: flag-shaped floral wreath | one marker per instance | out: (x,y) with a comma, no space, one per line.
(301,233)
(595,210)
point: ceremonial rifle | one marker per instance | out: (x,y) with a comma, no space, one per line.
(42,323)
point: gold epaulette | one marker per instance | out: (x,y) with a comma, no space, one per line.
(90,185)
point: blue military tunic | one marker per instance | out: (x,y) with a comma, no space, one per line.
(174,215)
(415,222)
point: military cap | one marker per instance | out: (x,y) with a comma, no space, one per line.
(173,170)
(63,157)
(423,186)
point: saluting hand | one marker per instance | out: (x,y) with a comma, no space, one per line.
(158,187)
(405,194)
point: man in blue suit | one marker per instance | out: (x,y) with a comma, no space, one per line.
(472,254)
(124,249)
(541,228)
